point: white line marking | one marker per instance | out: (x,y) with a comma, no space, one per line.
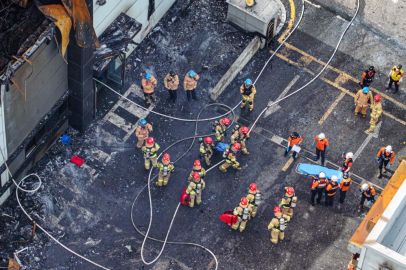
(365,143)
(313,4)
(273,109)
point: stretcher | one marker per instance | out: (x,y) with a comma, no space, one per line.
(314,170)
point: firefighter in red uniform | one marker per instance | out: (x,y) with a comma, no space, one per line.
(385,156)
(288,202)
(254,199)
(368,192)
(367,77)
(331,190)
(197,167)
(318,187)
(344,186)
(347,164)
(293,139)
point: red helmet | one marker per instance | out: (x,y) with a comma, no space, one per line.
(377,98)
(253,187)
(196,175)
(277,210)
(237,146)
(208,140)
(166,157)
(245,130)
(225,121)
(244,201)
(290,191)
(197,163)
(150,140)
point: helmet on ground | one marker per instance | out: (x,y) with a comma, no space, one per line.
(377,98)
(371,67)
(295,135)
(208,140)
(237,146)
(349,155)
(147,76)
(244,201)
(192,73)
(399,66)
(166,157)
(225,121)
(321,136)
(245,130)
(248,82)
(196,175)
(253,187)
(277,210)
(290,191)
(143,122)
(345,175)
(365,90)
(150,140)
(322,175)
(388,149)
(334,178)
(197,163)
(364,187)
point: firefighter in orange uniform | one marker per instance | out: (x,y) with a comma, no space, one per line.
(197,167)
(142,132)
(165,169)
(321,144)
(231,158)
(241,136)
(368,193)
(318,187)
(362,100)
(331,190)
(254,199)
(288,202)
(347,164)
(344,187)
(294,139)
(278,225)
(148,86)
(243,213)
(395,76)
(385,156)
(195,189)
(150,150)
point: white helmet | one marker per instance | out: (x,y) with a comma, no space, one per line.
(334,178)
(322,136)
(350,155)
(388,149)
(364,187)
(322,175)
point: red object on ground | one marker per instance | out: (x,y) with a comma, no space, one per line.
(77,160)
(229,218)
(184,198)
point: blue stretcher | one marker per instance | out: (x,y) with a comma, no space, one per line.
(314,170)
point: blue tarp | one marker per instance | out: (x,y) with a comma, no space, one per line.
(221,147)
(314,170)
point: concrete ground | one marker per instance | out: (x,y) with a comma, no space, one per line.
(89,209)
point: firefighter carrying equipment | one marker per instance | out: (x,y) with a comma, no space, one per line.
(220,128)
(240,136)
(231,158)
(243,212)
(197,168)
(278,226)
(254,199)
(248,92)
(195,189)
(164,171)
(150,150)
(287,200)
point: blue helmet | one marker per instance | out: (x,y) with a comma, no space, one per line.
(147,76)
(365,90)
(248,82)
(143,122)
(192,73)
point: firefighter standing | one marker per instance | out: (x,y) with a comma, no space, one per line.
(344,186)
(368,193)
(190,84)
(165,169)
(362,100)
(195,189)
(367,77)
(278,225)
(243,213)
(294,139)
(142,132)
(318,187)
(288,202)
(231,158)
(148,86)
(331,190)
(347,163)
(197,167)
(220,129)
(248,92)
(254,199)
(376,108)
(206,149)
(171,83)
(321,144)
(384,157)
(395,76)
(150,150)
(241,136)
